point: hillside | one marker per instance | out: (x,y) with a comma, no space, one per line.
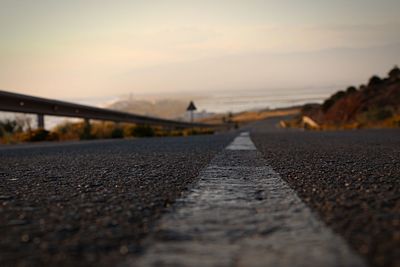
(376,104)
(164,108)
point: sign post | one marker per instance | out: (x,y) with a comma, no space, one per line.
(191,108)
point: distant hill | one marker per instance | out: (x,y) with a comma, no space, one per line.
(376,104)
(165,108)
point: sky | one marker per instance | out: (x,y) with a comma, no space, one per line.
(93,48)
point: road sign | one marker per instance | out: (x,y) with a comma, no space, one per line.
(191,106)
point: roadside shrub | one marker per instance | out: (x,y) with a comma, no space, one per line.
(36,135)
(39,135)
(117,133)
(10,126)
(383,114)
(377,114)
(310,107)
(375,80)
(143,131)
(351,90)
(86,132)
(69,131)
(327,104)
(332,100)
(394,74)
(307,108)
(338,95)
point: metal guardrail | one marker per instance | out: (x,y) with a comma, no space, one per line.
(20,103)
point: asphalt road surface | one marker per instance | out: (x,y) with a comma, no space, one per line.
(350,178)
(93,203)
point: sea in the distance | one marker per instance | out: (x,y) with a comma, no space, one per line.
(238,101)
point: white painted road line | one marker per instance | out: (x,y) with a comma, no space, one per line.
(241,213)
(242,142)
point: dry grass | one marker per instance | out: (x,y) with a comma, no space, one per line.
(251,116)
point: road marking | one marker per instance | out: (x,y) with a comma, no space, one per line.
(241,213)
(242,142)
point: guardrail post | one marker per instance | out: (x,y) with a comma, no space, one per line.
(40,121)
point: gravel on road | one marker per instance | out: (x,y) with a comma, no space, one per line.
(91,203)
(351,178)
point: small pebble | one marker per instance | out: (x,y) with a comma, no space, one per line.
(25,238)
(123,250)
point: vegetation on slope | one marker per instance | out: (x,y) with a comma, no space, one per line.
(375,105)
